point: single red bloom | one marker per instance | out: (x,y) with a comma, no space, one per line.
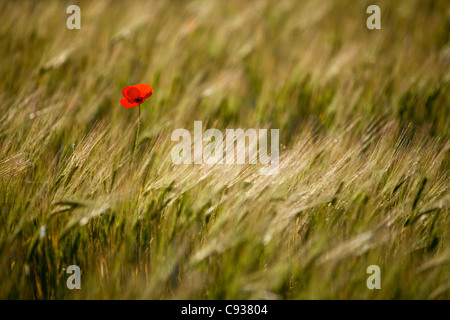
(135,95)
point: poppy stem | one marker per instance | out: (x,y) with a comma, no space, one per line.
(137,136)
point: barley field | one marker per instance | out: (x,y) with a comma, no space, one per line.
(364,124)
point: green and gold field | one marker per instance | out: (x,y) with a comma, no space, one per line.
(364,174)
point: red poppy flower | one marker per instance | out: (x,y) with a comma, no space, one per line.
(135,95)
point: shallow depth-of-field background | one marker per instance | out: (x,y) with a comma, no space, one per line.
(364,157)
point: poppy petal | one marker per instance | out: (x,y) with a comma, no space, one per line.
(146,90)
(127,104)
(125,91)
(131,93)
